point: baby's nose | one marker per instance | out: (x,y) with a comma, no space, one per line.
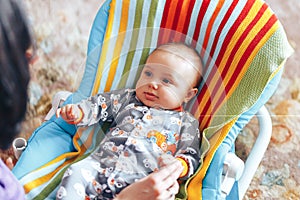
(153,85)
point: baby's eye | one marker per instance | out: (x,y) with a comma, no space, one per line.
(167,81)
(148,73)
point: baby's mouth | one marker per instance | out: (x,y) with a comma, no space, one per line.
(150,96)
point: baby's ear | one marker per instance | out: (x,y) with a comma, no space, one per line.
(191,93)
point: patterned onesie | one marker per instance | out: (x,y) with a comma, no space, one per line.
(130,150)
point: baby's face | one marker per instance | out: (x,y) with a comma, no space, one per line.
(166,81)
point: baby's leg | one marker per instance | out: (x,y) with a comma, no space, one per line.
(79,180)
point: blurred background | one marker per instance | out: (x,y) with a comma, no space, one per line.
(61,29)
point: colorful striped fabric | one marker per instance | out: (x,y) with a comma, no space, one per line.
(242,44)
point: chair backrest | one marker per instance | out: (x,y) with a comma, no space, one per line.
(241,43)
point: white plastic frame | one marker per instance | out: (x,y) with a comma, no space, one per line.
(258,150)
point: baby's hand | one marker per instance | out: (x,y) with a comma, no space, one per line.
(71,113)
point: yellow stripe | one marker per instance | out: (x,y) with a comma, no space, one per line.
(119,44)
(247,20)
(194,188)
(241,51)
(104,48)
(240,30)
(81,149)
(41,180)
(255,30)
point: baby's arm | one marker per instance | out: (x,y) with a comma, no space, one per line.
(188,148)
(101,107)
(71,113)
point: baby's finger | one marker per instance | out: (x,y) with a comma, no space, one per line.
(69,113)
(64,113)
(58,112)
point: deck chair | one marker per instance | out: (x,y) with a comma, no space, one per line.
(244,48)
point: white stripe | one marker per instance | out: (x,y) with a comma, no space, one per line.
(215,27)
(157,23)
(193,22)
(40,172)
(205,22)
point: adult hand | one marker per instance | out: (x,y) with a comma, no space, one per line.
(160,185)
(9,163)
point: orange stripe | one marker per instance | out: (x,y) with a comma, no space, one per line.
(181,21)
(211,24)
(169,22)
(119,43)
(219,91)
(235,73)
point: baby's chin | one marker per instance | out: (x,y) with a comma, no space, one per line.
(157,106)
(152,104)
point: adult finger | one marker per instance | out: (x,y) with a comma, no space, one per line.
(170,192)
(165,159)
(167,175)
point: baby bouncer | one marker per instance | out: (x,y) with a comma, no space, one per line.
(243,46)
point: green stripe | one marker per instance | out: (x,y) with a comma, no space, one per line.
(255,80)
(50,187)
(54,182)
(129,58)
(148,37)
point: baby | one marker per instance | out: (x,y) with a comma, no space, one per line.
(149,128)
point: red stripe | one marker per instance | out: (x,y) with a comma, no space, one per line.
(249,49)
(188,19)
(175,20)
(183,21)
(163,22)
(227,39)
